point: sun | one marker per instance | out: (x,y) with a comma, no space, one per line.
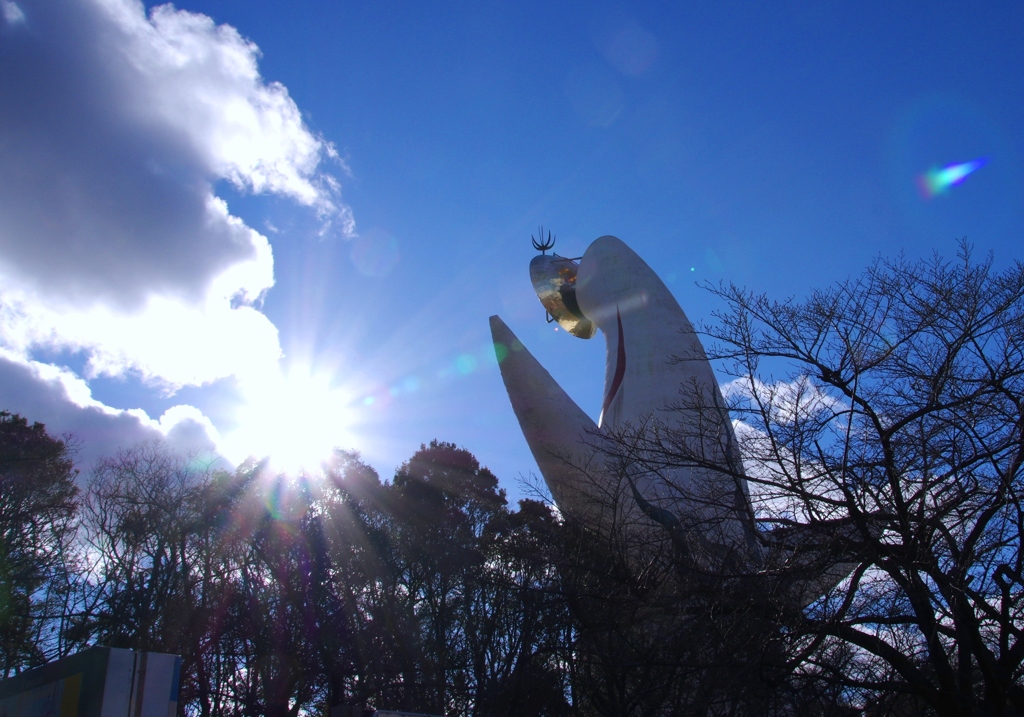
(295,419)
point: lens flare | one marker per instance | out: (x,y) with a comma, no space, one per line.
(938,181)
(452,368)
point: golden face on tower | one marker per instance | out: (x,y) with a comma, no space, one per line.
(554,280)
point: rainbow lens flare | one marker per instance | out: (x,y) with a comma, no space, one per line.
(938,181)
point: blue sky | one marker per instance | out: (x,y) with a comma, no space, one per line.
(186,221)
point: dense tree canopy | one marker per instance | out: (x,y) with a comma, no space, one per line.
(285,594)
(38,503)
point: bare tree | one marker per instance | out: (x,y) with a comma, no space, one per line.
(885,464)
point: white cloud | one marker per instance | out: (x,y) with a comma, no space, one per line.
(778,478)
(61,400)
(202,81)
(784,483)
(115,127)
(165,340)
(784,401)
(12,13)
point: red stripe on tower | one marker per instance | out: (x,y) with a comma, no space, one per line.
(620,369)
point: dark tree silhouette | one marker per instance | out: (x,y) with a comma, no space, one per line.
(302,593)
(885,468)
(38,503)
(477,630)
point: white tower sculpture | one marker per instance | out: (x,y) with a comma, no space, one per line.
(662,461)
(657,379)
